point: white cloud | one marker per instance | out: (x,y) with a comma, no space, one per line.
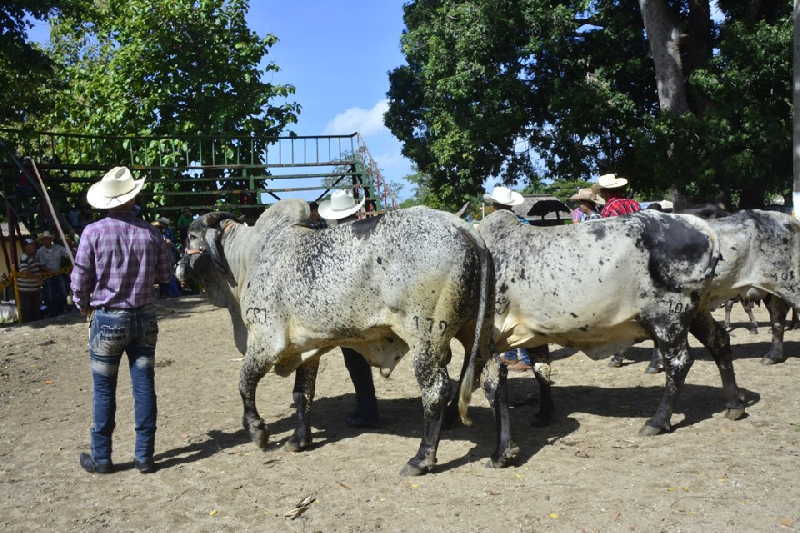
(365,121)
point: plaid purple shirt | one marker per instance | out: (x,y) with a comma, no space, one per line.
(119,259)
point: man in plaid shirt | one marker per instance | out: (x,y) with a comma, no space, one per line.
(612,190)
(119,260)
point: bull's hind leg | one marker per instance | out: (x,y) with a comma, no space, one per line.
(495,387)
(434,384)
(671,338)
(777,320)
(251,373)
(716,339)
(305,378)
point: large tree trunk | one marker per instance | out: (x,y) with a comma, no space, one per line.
(664,37)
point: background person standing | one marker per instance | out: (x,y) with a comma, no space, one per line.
(119,259)
(29,283)
(343,208)
(613,190)
(52,257)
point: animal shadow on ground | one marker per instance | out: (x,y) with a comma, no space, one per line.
(754,350)
(403,417)
(400,416)
(696,402)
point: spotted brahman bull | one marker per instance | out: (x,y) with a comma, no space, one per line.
(604,285)
(406,281)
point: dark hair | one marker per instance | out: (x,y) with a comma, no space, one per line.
(313,205)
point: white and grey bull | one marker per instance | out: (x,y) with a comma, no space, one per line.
(604,285)
(760,259)
(407,281)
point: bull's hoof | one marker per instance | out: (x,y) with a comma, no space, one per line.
(735,413)
(768,360)
(650,431)
(259,434)
(753,331)
(293,444)
(506,459)
(414,470)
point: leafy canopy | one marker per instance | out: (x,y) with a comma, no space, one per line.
(527,89)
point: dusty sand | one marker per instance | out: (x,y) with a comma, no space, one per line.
(588,471)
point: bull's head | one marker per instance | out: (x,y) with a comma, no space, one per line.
(204,259)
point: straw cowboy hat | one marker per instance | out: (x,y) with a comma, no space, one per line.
(611,181)
(588,196)
(504,196)
(116,188)
(340,205)
(44,235)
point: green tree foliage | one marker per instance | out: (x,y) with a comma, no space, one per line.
(500,87)
(23,66)
(164,67)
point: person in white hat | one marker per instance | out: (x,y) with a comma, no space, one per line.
(51,257)
(503,199)
(587,206)
(343,208)
(119,259)
(612,189)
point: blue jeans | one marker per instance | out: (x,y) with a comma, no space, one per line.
(518,354)
(112,332)
(55,295)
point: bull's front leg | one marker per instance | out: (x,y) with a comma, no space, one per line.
(728,309)
(718,341)
(748,308)
(677,362)
(251,373)
(777,320)
(434,384)
(305,378)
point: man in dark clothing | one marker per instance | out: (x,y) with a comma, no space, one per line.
(343,208)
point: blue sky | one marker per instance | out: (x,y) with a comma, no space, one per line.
(337,55)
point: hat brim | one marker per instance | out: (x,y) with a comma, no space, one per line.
(618,183)
(325,210)
(98,200)
(516,199)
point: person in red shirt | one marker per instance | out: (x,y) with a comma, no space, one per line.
(612,189)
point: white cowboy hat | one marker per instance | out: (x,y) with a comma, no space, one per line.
(666,204)
(340,205)
(589,195)
(611,181)
(116,188)
(504,196)
(44,235)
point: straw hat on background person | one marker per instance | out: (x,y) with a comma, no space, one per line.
(340,205)
(587,195)
(504,196)
(116,188)
(44,236)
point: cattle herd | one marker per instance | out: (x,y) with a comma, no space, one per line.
(411,280)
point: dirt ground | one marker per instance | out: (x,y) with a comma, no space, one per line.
(589,471)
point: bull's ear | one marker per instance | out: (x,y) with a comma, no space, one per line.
(215,251)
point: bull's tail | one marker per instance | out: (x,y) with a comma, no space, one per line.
(483,325)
